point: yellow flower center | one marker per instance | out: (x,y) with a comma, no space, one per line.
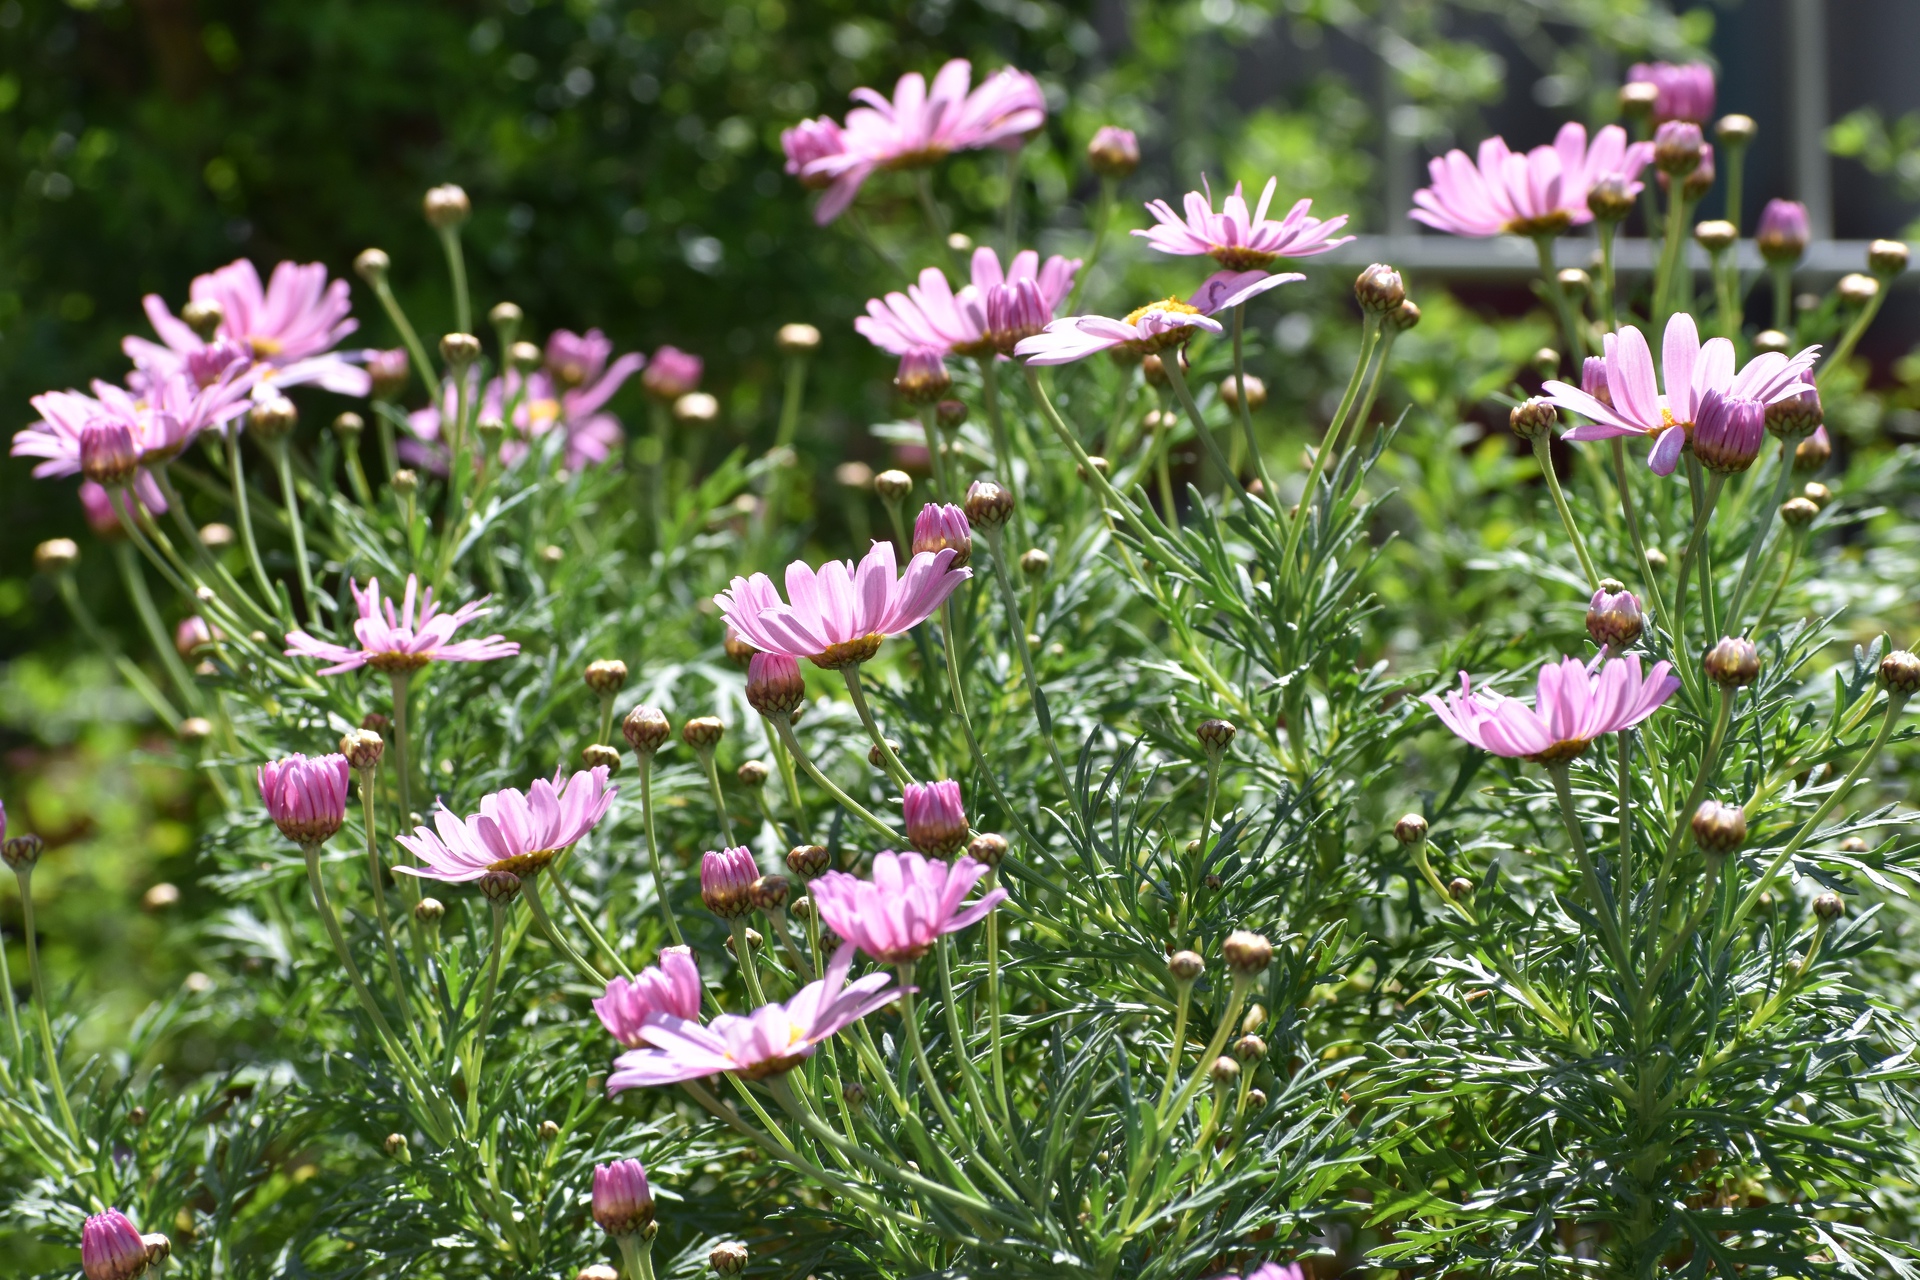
(264,348)
(1165,304)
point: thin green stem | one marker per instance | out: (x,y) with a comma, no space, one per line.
(1176,1048)
(1703,512)
(1102,220)
(743,953)
(23,876)
(1330,443)
(1607,230)
(966,730)
(1783,297)
(422,366)
(1563,309)
(376,883)
(850,674)
(858,810)
(530,890)
(163,645)
(1797,540)
(1246,410)
(457,270)
(481,1029)
(1170,361)
(1543,453)
(1043,717)
(1701,780)
(1781,482)
(1843,350)
(244,517)
(400,681)
(1570,818)
(719,798)
(936,454)
(653,848)
(1672,254)
(283,463)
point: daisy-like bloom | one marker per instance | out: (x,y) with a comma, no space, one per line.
(1574,705)
(1153,328)
(622,1200)
(398,640)
(726,881)
(1633,405)
(569,393)
(672,373)
(1239,240)
(290,327)
(1686,89)
(839,615)
(1540,193)
(772,1039)
(916,127)
(514,831)
(306,797)
(111,1247)
(936,819)
(672,986)
(899,914)
(162,418)
(990,314)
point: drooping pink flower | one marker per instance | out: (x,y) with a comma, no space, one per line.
(915,127)
(1634,406)
(1686,89)
(839,615)
(162,419)
(108,455)
(622,1200)
(671,986)
(897,916)
(935,817)
(306,797)
(290,327)
(1727,432)
(111,1247)
(726,881)
(1540,193)
(1573,705)
(990,314)
(514,831)
(397,640)
(772,1039)
(672,373)
(1237,239)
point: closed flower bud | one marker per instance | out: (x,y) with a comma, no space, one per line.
(1900,672)
(769,893)
(1379,289)
(1614,618)
(1735,130)
(726,881)
(108,456)
(801,909)
(988,505)
(739,649)
(56,555)
(1857,290)
(950,415)
(1733,663)
(1215,735)
(1256,1099)
(1460,888)
(445,206)
(752,773)
(1533,419)
(1256,392)
(1783,231)
(348,425)
(988,849)
(1185,966)
(1797,415)
(1114,152)
(194,634)
(396,1145)
(1818,494)
(728,1259)
(1610,199)
(1656,560)
(606,677)
(1546,362)
(1250,1048)
(1829,907)
(272,419)
(525,355)
(935,818)
(892,485)
(1095,461)
(505,315)
(429,911)
(362,748)
(406,482)
(808,861)
(598,755)
(1411,829)
(159,1248)
(111,1248)
(876,758)
(1035,562)
(1728,432)
(598,1271)
(1887,257)
(696,406)
(922,376)
(1814,452)
(1676,147)
(1719,828)
(943,527)
(1247,954)
(372,265)
(1637,97)
(774,684)
(459,349)
(1154,368)
(499,886)
(1715,235)
(549,1131)
(1403,317)
(196,728)
(855,1094)
(375,721)
(21,852)
(854,475)
(1224,1070)
(1771,341)
(797,339)
(1798,512)
(203,316)
(702,732)
(622,1200)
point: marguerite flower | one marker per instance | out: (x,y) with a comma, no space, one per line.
(290,327)
(1239,240)
(514,831)
(839,615)
(1573,705)
(399,640)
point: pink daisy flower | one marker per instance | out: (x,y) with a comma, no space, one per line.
(839,615)
(1540,193)
(1686,89)
(1633,405)
(1154,327)
(514,831)
(290,327)
(897,916)
(397,640)
(671,986)
(1236,239)
(992,313)
(163,418)
(772,1039)
(1573,705)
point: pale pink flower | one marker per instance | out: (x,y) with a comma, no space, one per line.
(1236,239)
(1686,89)
(1540,193)
(1634,406)
(990,314)
(941,526)
(290,327)
(897,916)
(671,986)
(514,831)
(1573,705)
(111,1247)
(306,798)
(397,640)
(839,615)
(808,142)
(622,1200)
(935,817)
(772,1039)
(163,418)
(567,395)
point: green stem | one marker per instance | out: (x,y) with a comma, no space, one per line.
(1672,255)
(993,1009)
(1781,483)
(1607,231)
(1170,361)
(457,269)
(1176,1049)
(530,890)
(653,847)
(973,743)
(1794,543)
(996,544)
(23,875)
(1370,389)
(1543,453)
(143,605)
(1844,350)
(935,457)
(13,1011)
(400,681)
(423,367)
(858,810)
(283,463)
(888,760)
(719,798)
(969,1075)
(1246,411)
(1569,323)
(244,517)
(1783,297)
(1100,224)
(481,1029)
(1369,336)
(1703,511)
(1708,759)
(743,952)
(997,421)
(376,881)
(1570,818)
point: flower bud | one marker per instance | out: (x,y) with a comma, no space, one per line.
(702,732)
(769,893)
(196,728)
(1230,392)
(1887,257)
(1798,513)
(598,755)
(1797,415)
(1411,830)
(1733,663)
(696,407)
(1813,453)
(1154,368)
(876,758)
(988,849)
(1728,432)
(1900,673)
(1403,317)
(21,852)
(1185,966)
(1250,1048)
(1546,362)
(1533,419)
(752,773)
(808,861)
(525,355)
(801,909)
(935,818)
(728,1259)
(1783,231)
(406,482)
(372,265)
(1459,888)
(622,1200)
(362,748)
(988,505)
(158,897)
(1379,289)
(1246,954)
(1829,907)
(738,647)
(922,376)
(892,485)
(396,1145)
(1676,147)
(1224,1071)
(56,555)
(598,1271)
(1637,97)
(111,1248)
(348,426)
(1256,1100)
(943,527)
(1719,828)
(159,1248)
(797,339)
(1215,735)
(1735,130)
(108,455)
(1818,494)
(549,1131)
(726,881)
(774,684)
(1770,341)
(429,911)
(1715,235)
(194,634)
(203,316)
(1614,618)
(499,886)
(1610,199)
(950,415)
(272,419)
(445,206)
(1856,290)
(606,676)
(1035,562)
(459,349)
(1114,152)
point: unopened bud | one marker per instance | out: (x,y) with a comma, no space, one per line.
(1614,617)
(1230,392)
(1676,148)
(196,728)
(988,849)
(1715,235)
(1900,672)
(1719,828)
(1735,130)
(702,732)
(728,1259)
(1813,453)
(606,676)
(598,1271)
(349,425)
(1533,419)
(1246,954)
(525,355)
(56,555)
(1733,663)
(1035,562)
(950,415)
(769,893)
(1114,152)
(1887,257)
(445,206)
(808,861)
(797,339)
(396,1145)
(1770,341)
(1215,735)
(1460,888)
(892,485)
(459,349)
(988,506)
(1857,290)
(1609,199)
(500,886)
(1403,317)
(372,265)
(878,760)
(1185,966)
(752,773)
(406,482)
(1224,1070)
(1256,1100)
(1095,461)
(1829,907)
(1797,415)
(1250,1048)
(599,755)
(1379,289)
(1411,829)
(21,852)
(1637,97)
(1574,282)
(362,748)
(203,316)
(1818,494)
(801,909)
(1798,512)
(429,911)
(549,1131)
